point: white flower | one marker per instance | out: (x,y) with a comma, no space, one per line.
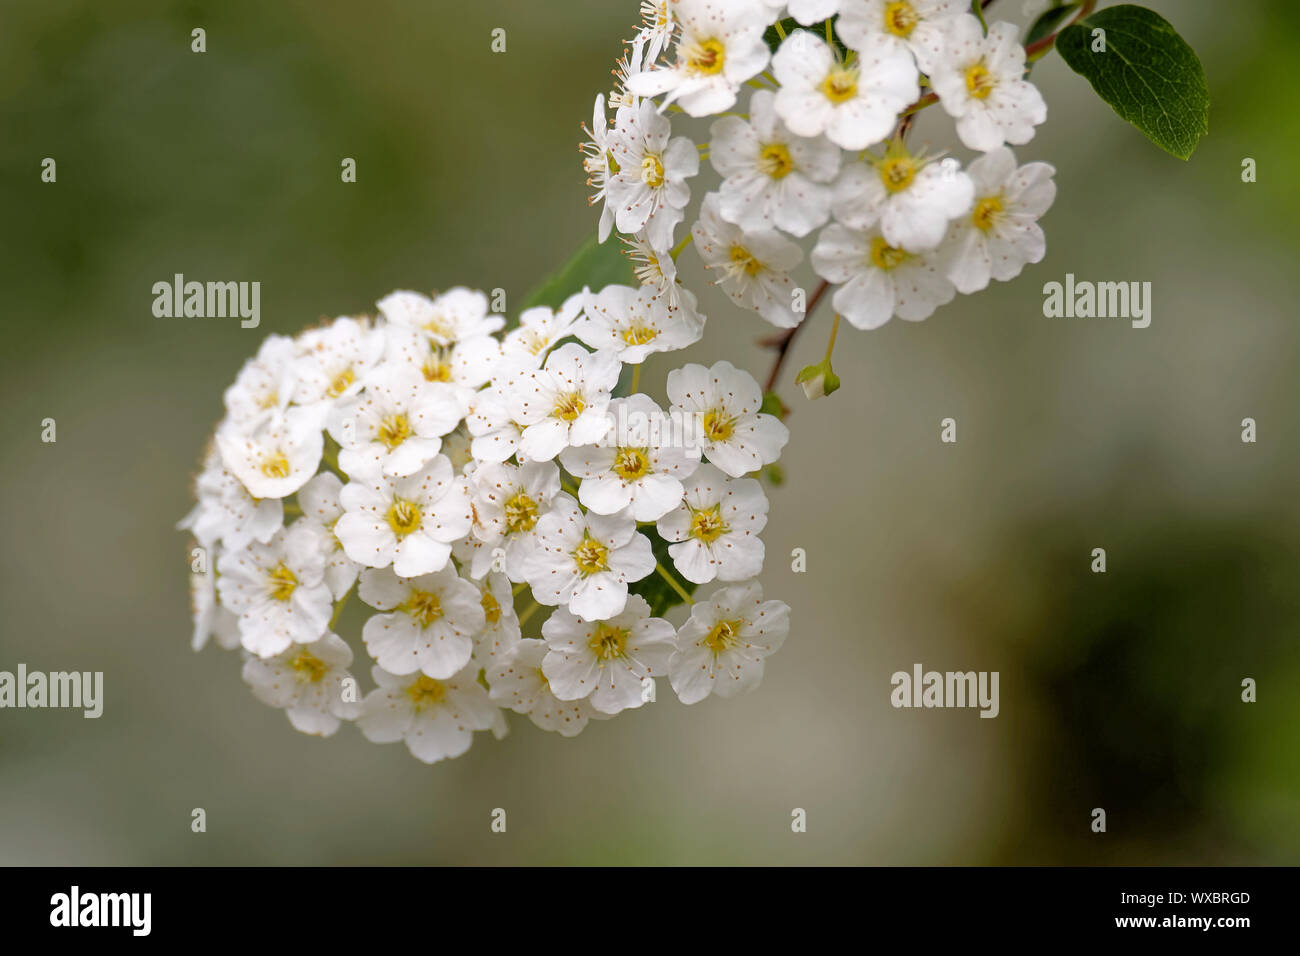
(716,527)
(595,160)
(508,502)
(1002,233)
(278,590)
(772,178)
(634,323)
(517,682)
(539,330)
(321,510)
(226,512)
(659,23)
(501,631)
(877,280)
(406,522)
(855,104)
(563,403)
(754,266)
(395,426)
(586,561)
(436,718)
(211,620)
(335,360)
(809,12)
(307,681)
(981,83)
(276,458)
(649,191)
(913,200)
(720,46)
(264,386)
(455,316)
(721,648)
(432,622)
(464,366)
(721,408)
(916,25)
(495,434)
(607,660)
(633,62)
(640,464)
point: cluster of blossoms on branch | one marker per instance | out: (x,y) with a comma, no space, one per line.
(829,88)
(458,477)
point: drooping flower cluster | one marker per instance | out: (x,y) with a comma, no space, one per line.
(820,152)
(443,469)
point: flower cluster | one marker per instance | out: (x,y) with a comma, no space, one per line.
(829,89)
(444,468)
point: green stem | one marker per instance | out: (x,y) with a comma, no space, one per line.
(673,583)
(835,329)
(338,607)
(682,245)
(636,379)
(529,612)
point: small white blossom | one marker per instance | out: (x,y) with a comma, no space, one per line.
(435,718)
(771,177)
(915,25)
(226,512)
(981,83)
(540,330)
(563,403)
(321,510)
(720,45)
(1002,234)
(277,457)
(586,562)
(408,522)
(431,624)
(265,385)
(649,191)
(754,267)
(912,200)
(335,360)
(455,316)
(495,434)
(517,682)
(721,649)
(278,590)
(307,682)
(878,281)
(606,660)
(855,103)
(508,501)
(634,323)
(639,465)
(716,527)
(501,631)
(721,406)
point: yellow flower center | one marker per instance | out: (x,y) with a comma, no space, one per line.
(435,368)
(717,426)
(900,18)
(607,642)
(775,161)
(723,635)
(708,525)
(275,465)
(707,57)
(897,172)
(591,556)
(638,334)
(282,582)
(521,513)
(652,171)
(742,257)
(986,213)
(426,692)
(570,406)
(979,81)
(441,327)
(840,85)
(403,517)
(424,606)
(342,381)
(884,256)
(393,430)
(631,464)
(309,667)
(491,607)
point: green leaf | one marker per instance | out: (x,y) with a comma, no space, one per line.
(595,265)
(1147,73)
(789,25)
(659,594)
(1049,21)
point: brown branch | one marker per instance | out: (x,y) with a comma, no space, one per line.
(782,341)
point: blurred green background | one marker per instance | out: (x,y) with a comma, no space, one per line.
(1119,691)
